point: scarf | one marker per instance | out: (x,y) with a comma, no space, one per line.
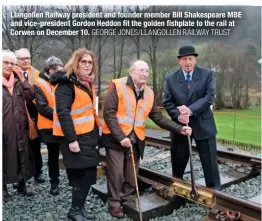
(9,84)
(85,80)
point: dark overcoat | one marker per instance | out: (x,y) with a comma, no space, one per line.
(17,154)
(89,142)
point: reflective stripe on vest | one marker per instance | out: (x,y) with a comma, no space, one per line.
(129,119)
(79,110)
(129,113)
(46,87)
(80,120)
(82,112)
(32,75)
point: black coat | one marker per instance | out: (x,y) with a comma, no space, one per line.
(46,135)
(198,99)
(88,142)
(18,162)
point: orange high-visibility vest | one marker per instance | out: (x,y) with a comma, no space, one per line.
(129,113)
(83,113)
(47,88)
(33,75)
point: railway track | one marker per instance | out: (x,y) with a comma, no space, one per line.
(222,206)
(219,205)
(223,155)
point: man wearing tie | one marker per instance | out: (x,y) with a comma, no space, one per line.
(188,94)
(31,74)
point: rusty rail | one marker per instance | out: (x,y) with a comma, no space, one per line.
(255,162)
(233,208)
(223,206)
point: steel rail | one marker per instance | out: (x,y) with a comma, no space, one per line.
(255,162)
(219,202)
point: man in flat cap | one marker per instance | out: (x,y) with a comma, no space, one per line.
(188,94)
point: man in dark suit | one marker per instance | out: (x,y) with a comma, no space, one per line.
(188,94)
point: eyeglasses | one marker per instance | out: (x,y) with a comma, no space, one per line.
(8,62)
(25,58)
(85,62)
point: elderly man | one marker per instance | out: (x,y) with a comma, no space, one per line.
(31,74)
(188,94)
(128,104)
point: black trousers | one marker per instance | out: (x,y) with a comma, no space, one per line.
(53,162)
(36,149)
(82,179)
(207,150)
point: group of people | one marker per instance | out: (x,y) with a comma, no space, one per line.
(61,99)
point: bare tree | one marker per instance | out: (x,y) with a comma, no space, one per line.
(251,68)
(114,47)
(13,42)
(122,45)
(218,56)
(100,55)
(165,65)
(152,53)
(137,38)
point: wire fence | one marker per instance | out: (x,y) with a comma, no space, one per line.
(239,130)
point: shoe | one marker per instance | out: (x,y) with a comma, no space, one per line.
(39,178)
(86,215)
(26,191)
(116,212)
(54,189)
(75,214)
(6,195)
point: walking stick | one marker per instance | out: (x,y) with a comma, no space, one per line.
(193,192)
(137,192)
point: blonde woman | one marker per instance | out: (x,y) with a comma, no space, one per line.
(75,120)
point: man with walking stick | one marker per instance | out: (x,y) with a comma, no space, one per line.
(128,104)
(188,94)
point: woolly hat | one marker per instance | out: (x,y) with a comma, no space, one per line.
(52,62)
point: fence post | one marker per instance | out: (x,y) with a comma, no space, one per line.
(234,127)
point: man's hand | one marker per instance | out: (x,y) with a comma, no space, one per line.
(184,110)
(125,142)
(74,147)
(184,119)
(186,131)
(19,73)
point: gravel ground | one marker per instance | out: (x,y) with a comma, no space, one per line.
(158,165)
(153,151)
(162,165)
(45,207)
(189,212)
(245,190)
